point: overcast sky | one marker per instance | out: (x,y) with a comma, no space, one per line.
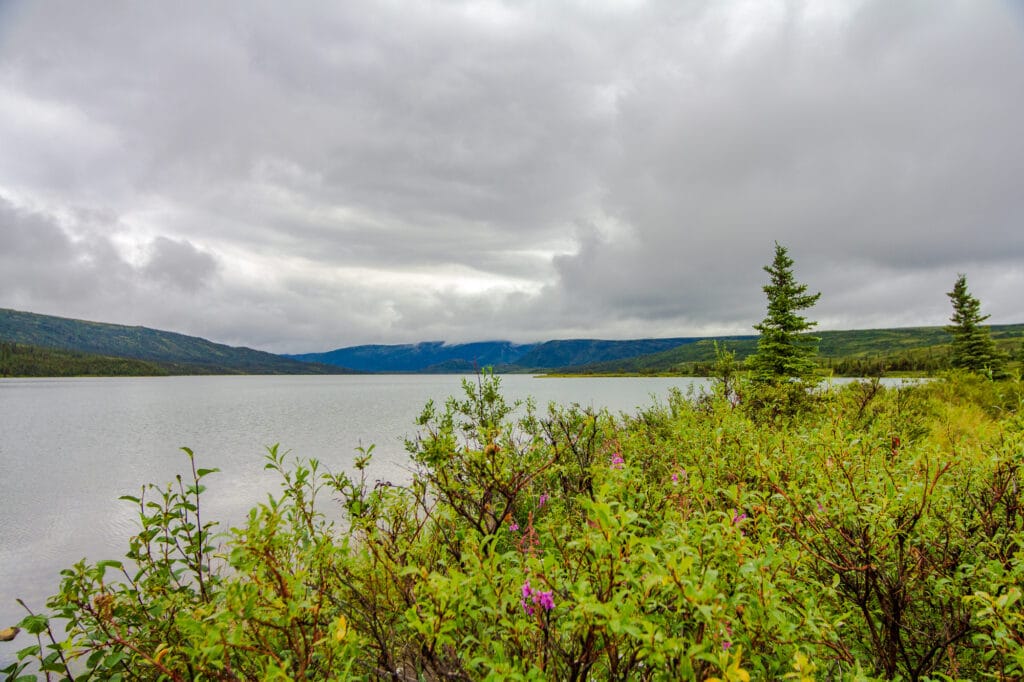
(303,176)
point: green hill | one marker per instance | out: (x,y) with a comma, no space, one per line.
(851,352)
(168,352)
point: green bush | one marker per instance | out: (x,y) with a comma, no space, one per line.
(872,533)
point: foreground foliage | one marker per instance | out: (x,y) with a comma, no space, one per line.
(874,534)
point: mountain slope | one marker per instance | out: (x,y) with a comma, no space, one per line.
(417,357)
(436,356)
(575,352)
(177,353)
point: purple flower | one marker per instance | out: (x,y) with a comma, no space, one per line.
(617,461)
(532,597)
(513,526)
(675,478)
(725,645)
(542,501)
(737,517)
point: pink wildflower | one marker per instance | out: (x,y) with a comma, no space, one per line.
(542,501)
(617,461)
(532,597)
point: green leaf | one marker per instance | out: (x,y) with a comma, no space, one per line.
(35,624)
(113,659)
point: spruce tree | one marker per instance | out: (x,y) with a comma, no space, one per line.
(972,347)
(784,350)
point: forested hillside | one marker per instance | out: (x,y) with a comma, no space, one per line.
(19,360)
(175,353)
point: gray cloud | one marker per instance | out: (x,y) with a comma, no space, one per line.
(303,178)
(179,264)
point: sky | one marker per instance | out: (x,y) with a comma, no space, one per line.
(298,177)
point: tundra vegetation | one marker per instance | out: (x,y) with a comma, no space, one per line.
(863,533)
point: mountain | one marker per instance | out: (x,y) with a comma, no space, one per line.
(418,357)
(437,356)
(173,353)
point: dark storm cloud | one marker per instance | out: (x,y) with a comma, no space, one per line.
(306,177)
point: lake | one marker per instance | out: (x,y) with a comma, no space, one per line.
(70,447)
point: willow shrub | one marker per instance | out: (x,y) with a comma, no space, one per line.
(872,534)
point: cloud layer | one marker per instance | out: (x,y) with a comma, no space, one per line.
(301,178)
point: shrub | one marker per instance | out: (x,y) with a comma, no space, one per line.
(877,534)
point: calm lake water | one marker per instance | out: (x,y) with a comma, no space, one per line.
(70,447)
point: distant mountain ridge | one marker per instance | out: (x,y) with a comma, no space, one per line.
(174,353)
(437,356)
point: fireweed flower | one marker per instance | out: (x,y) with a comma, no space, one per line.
(617,461)
(532,598)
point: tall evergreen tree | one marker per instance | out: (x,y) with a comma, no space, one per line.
(784,350)
(972,347)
